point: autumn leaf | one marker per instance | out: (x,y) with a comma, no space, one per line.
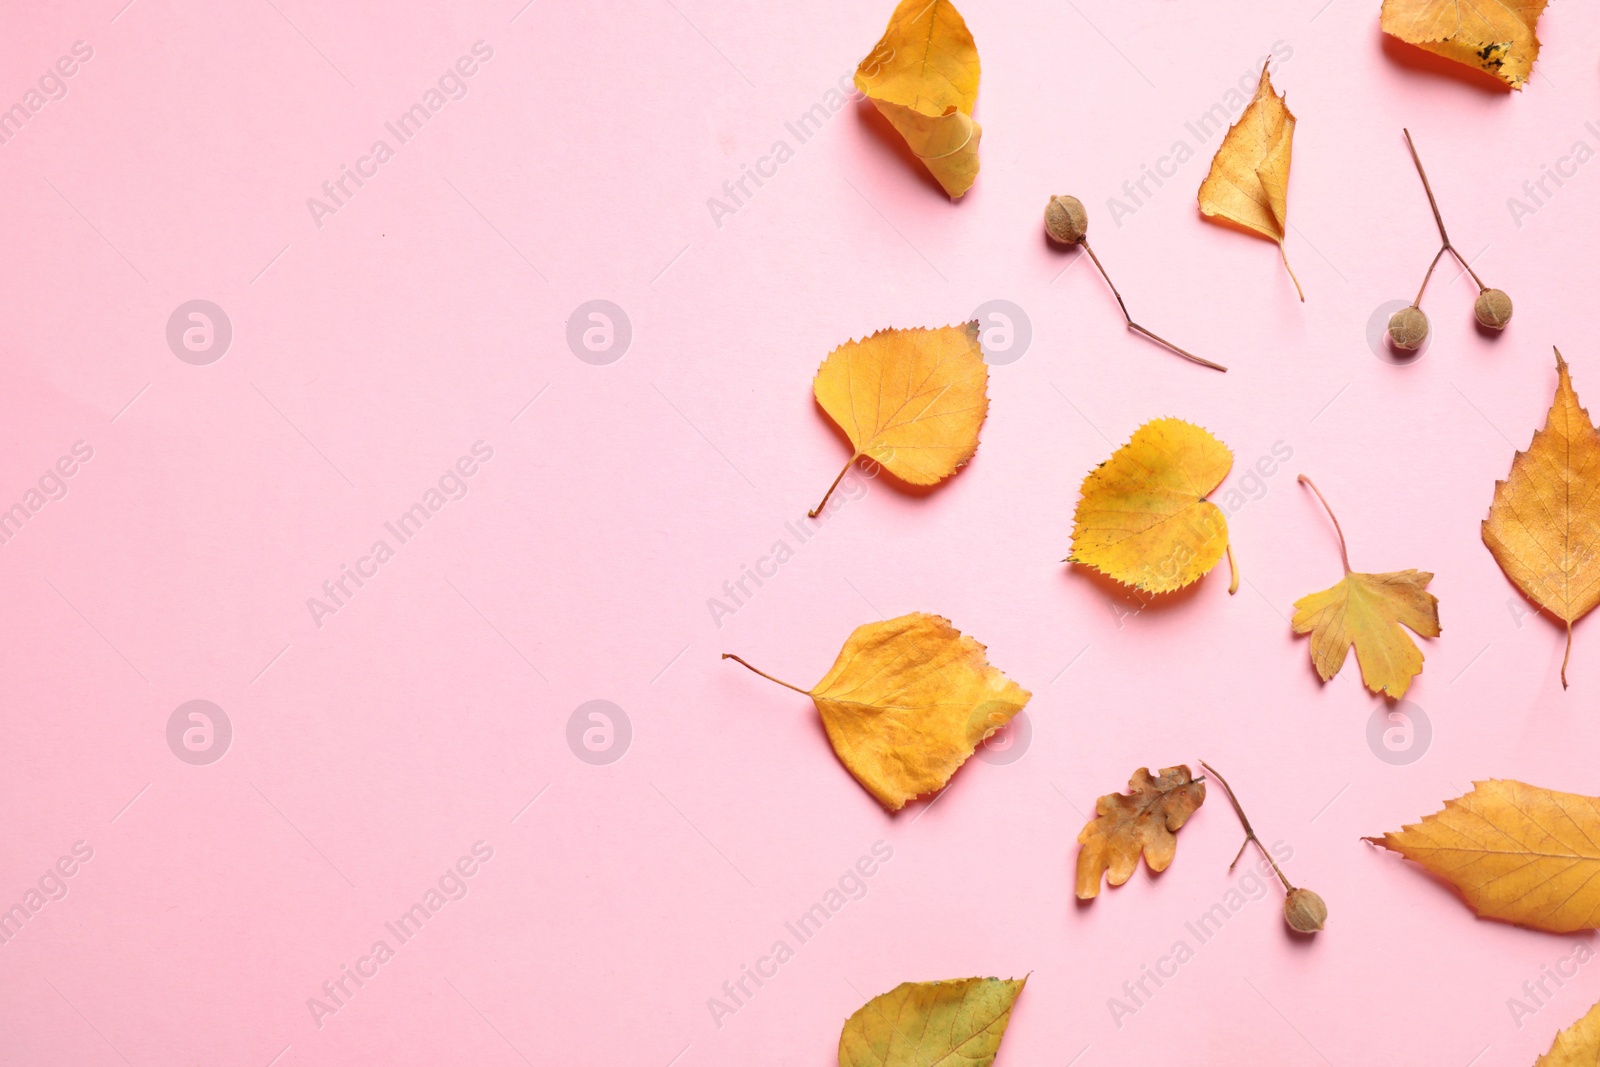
(912,400)
(1544,523)
(924,1024)
(1497,37)
(907,701)
(1576,1046)
(1143,517)
(1249,180)
(1515,852)
(923,77)
(1143,819)
(1367,610)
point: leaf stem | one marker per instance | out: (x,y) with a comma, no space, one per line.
(1134,326)
(1344,555)
(764,674)
(1567,656)
(1285,255)
(1233,572)
(1249,832)
(814,512)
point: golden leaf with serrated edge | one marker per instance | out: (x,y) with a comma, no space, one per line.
(923,76)
(931,1024)
(1367,611)
(907,701)
(1576,1046)
(1249,180)
(912,400)
(1143,517)
(1142,820)
(1544,523)
(1515,852)
(1497,37)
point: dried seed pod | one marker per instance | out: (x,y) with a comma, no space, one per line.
(1408,328)
(1304,911)
(1065,220)
(1493,308)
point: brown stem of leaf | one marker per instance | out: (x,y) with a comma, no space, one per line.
(1249,832)
(1438,219)
(814,512)
(1134,326)
(1567,656)
(1233,572)
(764,674)
(1344,555)
(1285,255)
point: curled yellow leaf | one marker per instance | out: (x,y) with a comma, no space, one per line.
(907,701)
(1143,517)
(912,400)
(924,1024)
(1248,184)
(923,77)
(1544,522)
(1497,37)
(1514,852)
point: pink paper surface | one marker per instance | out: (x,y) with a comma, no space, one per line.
(419,725)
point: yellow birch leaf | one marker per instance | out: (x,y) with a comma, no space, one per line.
(912,400)
(1544,523)
(1514,852)
(931,1024)
(1143,517)
(1249,180)
(907,701)
(1576,1046)
(1496,37)
(1367,610)
(1141,820)
(923,76)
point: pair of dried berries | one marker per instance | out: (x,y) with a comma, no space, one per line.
(1408,327)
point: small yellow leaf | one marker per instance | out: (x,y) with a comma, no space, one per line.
(1367,610)
(1515,852)
(1576,1046)
(1544,523)
(1496,37)
(1143,517)
(1140,820)
(923,76)
(1248,184)
(931,1024)
(912,400)
(907,701)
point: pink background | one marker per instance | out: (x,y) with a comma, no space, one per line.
(369,353)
